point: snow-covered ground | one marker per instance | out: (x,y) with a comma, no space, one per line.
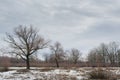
(56,74)
(52,74)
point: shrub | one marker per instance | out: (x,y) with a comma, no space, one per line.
(101,74)
(4,69)
(58,77)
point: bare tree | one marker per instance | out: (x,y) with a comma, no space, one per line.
(112,51)
(118,57)
(25,42)
(92,59)
(57,52)
(102,53)
(105,53)
(75,55)
(95,57)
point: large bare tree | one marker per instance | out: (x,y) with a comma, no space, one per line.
(25,42)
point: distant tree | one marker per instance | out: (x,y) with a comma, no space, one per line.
(105,53)
(102,52)
(112,51)
(118,57)
(46,57)
(25,42)
(75,55)
(92,59)
(5,61)
(57,53)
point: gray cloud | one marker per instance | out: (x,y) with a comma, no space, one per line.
(75,23)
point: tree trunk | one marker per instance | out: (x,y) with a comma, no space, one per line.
(75,61)
(27,63)
(57,63)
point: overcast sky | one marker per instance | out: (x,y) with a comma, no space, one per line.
(82,24)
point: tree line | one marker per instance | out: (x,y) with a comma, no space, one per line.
(26,42)
(105,54)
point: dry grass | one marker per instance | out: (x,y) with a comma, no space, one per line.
(57,77)
(46,69)
(22,70)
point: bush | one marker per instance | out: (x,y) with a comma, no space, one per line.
(4,69)
(101,74)
(57,77)
(23,70)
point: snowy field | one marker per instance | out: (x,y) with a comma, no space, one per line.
(49,74)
